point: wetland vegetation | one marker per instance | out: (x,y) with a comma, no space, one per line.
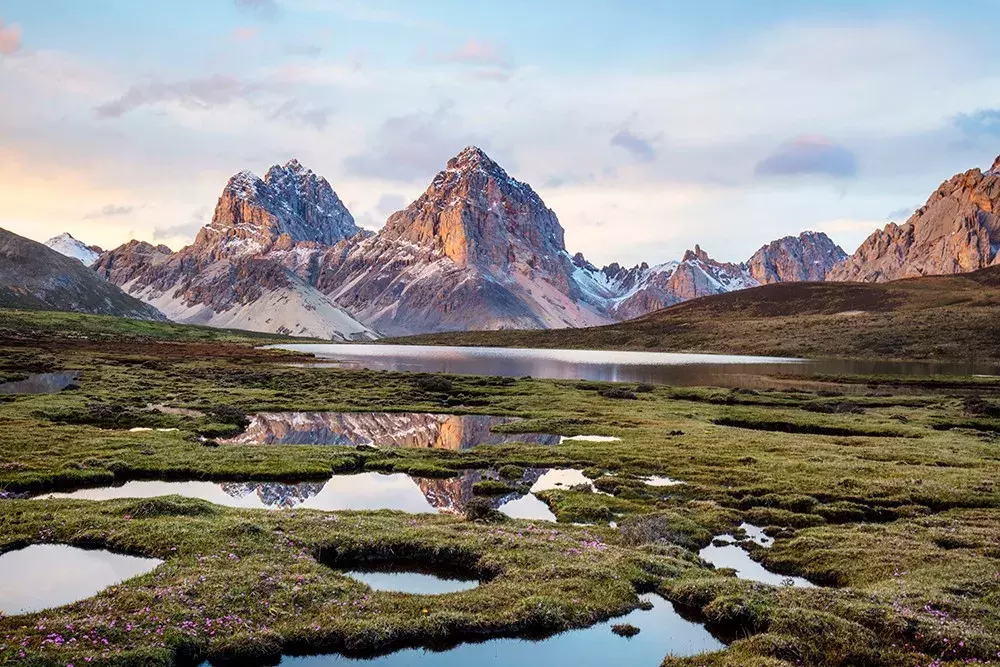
(886,499)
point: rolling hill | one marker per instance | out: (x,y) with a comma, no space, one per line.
(954,317)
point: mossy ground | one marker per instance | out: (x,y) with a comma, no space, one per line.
(900,518)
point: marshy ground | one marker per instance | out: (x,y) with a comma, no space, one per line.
(887,499)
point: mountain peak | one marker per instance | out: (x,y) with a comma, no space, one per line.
(291,201)
(696,254)
(995,169)
(66,244)
(474,157)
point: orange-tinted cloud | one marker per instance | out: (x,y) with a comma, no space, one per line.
(10,39)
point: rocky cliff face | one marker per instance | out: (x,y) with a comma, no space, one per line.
(289,206)
(235,275)
(956,231)
(33,276)
(810,256)
(478,250)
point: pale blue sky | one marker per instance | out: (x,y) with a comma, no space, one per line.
(646,126)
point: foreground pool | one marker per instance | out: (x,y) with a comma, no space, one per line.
(50,575)
(662,632)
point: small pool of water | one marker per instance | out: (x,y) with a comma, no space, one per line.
(562,479)
(383,429)
(528,507)
(588,438)
(414,583)
(42,383)
(43,576)
(662,632)
(733,556)
(660,480)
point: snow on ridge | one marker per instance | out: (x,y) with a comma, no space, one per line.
(66,244)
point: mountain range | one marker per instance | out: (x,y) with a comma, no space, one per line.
(481,250)
(35,277)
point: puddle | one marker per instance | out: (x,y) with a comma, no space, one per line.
(42,383)
(528,507)
(589,438)
(43,576)
(146,429)
(563,478)
(662,632)
(414,583)
(756,534)
(659,480)
(733,556)
(383,429)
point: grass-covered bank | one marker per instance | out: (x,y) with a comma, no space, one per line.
(890,500)
(947,318)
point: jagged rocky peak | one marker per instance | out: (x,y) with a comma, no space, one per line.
(808,256)
(475,213)
(290,205)
(956,231)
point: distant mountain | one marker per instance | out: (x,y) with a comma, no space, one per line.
(478,250)
(630,293)
(234,275)
(808,256)
(36,277)
(956,231)
(66,245)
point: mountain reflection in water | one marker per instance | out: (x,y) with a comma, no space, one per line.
(383,429)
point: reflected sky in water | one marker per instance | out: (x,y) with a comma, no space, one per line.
(614,366)
(51,575)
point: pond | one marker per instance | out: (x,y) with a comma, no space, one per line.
(42,383)
(42,576)
(662,631)
(615,365)
(383,429)
(360,491)
(413,582)
(732,555)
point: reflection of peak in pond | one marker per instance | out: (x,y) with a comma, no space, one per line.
(383,429)
(274,494)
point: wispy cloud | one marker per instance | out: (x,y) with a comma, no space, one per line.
(814,155)
(218,90)
(265,9)
(982,123)
(109,211)
(10,39)
(185,230)
(640,148)
(476,52)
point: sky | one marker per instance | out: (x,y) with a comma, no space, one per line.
(647,126)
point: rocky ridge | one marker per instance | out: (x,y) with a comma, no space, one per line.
(956,231)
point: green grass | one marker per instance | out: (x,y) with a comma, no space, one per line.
(901,516)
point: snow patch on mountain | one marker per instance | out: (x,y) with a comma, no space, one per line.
(66,244)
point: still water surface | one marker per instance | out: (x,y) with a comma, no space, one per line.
(42,383)
(361,491)
(614,365)
(50,575)
(662,632)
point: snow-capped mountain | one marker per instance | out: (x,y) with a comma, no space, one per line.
(233,275)
(35,277)
(477,250)
(65,244)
